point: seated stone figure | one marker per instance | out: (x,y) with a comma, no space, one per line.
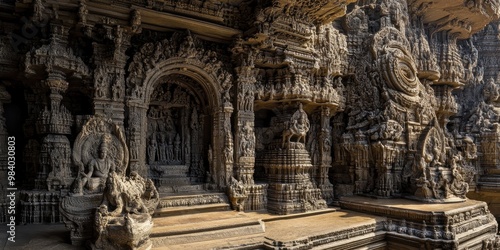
(98,169)
(99,150)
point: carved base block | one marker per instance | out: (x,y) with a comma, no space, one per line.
(412,224)
(293,198)
(256,197)
(126,232)
(327,192)
(290,187)
(78,213)
(39,206)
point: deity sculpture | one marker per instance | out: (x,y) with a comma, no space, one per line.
(98,168)
(99,149)
(298,126)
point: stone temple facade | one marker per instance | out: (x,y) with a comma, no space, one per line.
(131,114)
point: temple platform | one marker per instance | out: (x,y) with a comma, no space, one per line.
(360,223)
(322,229)
(413,224)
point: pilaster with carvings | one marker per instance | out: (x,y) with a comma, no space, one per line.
(55,121)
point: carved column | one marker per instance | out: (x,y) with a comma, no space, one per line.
(109,76)
(217,164)
(325,155)
(245,137)
(35,101)
(228,149)
(244,141)
(452,74)
(319,145)
(55,122)
(136,138)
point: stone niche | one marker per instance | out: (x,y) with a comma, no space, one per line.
(176,135)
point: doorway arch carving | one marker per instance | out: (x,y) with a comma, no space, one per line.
(179,62)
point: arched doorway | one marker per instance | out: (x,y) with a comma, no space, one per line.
(181,63)
(178,134)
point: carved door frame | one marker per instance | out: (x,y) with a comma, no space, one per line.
(212,87)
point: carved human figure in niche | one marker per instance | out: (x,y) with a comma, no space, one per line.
(117,91)
(228,153)
(162,150)
(60,170)
(210,156)
(98,150)
(99,167)
(135,21)
(177,148)
(298,126)
(458,186)
(152,148)
(247,144)
(470,149)
(187,48)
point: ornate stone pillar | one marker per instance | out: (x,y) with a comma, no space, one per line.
(452,74)
(55,123)
(216,158)
(325,155)
(136,138)
(319,145)
(228,149)
(245,136)
(109,76)
(35,100)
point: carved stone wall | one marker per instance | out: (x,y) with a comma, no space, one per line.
(286,106)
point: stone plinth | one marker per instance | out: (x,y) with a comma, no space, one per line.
(412,224)
(290,187)
(77,212)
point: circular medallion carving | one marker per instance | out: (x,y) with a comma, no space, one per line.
(399,70)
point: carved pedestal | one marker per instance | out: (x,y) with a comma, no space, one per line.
(127,232)
(77,212)
(290,187)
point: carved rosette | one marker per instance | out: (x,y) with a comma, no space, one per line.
(397,66)
(399,70)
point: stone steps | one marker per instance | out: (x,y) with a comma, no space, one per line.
(248,242)
(171,211)
(201,227)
